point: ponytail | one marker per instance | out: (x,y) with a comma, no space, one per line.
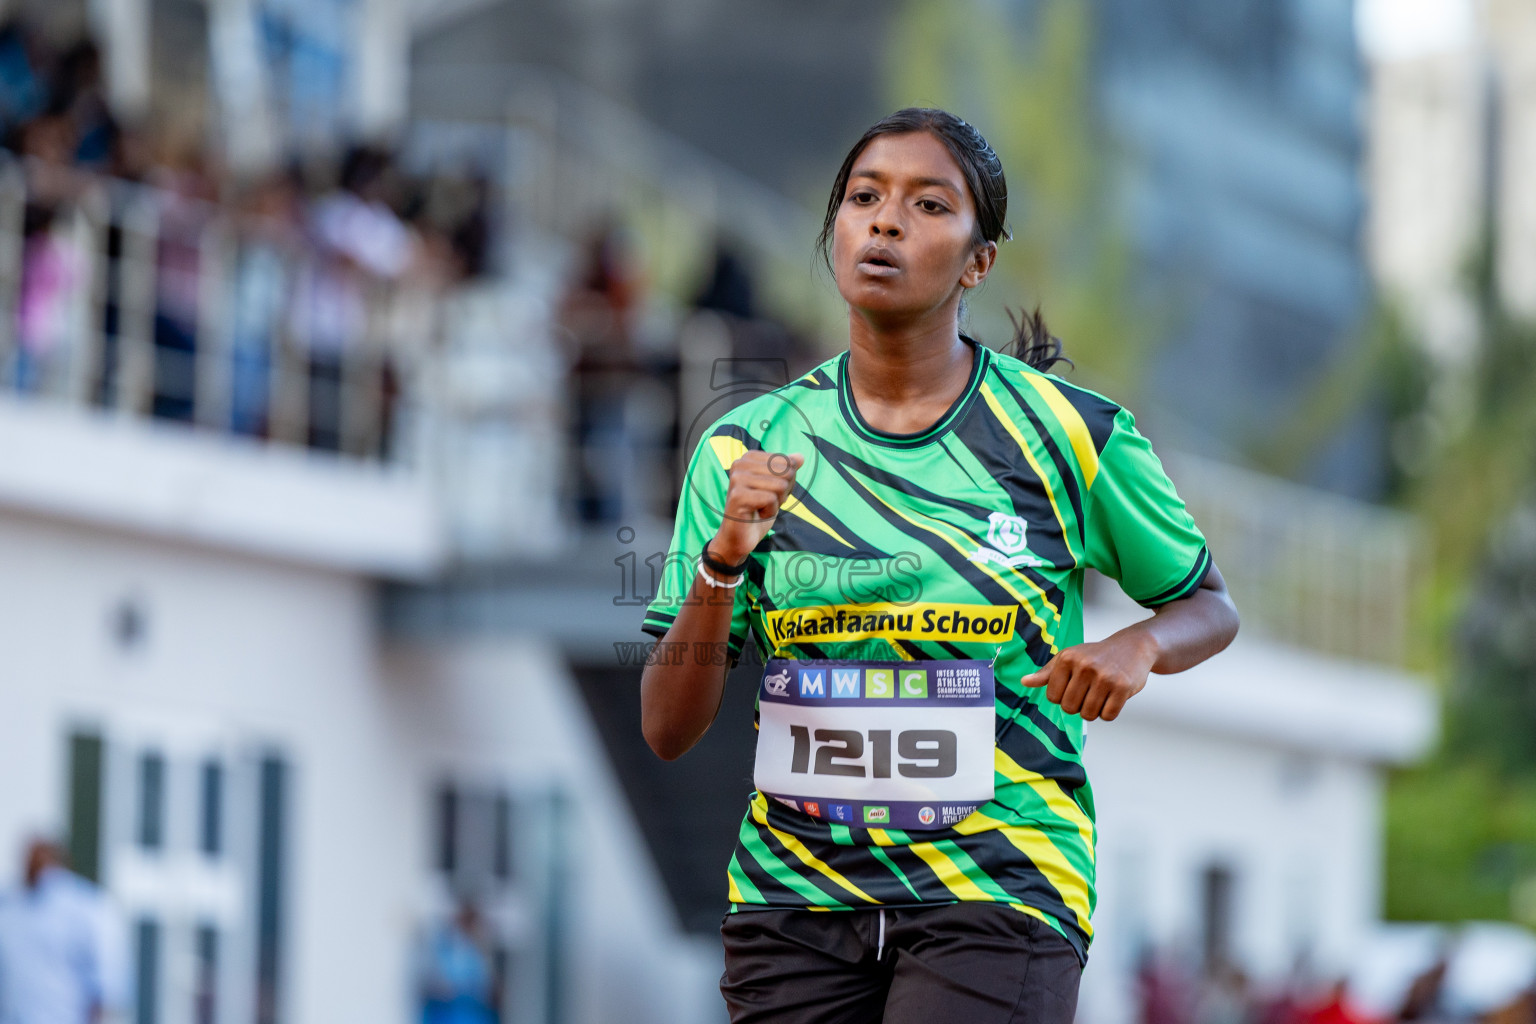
(1034,343)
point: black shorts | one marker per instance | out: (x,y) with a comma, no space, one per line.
(972,963)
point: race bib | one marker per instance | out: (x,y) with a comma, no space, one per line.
(877,744)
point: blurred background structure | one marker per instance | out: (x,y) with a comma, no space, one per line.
(350,351)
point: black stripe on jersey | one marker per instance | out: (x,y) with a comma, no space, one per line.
(1063,468)
(1029,752)
(842,459)
(775,892)
(817,380)
(1052,731)
(792,533)
(1098,412)
(918,871)
(1022,704)
(1034,644)
(944,446)
(1038,650)
(991,444)
(1187,585)
(740,434)
(1017,875)
(830,856)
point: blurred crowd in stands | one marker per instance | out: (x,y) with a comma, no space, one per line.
(138,255)
(1486,975)
(633,419)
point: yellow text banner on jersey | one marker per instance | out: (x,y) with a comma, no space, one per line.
(923,620)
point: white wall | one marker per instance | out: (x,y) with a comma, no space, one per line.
(1300,832)
(1266,760)
(509,709)
(234,647)
(239,650)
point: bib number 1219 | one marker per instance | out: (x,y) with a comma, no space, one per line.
(924,753)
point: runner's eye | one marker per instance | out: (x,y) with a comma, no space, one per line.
(932,206)
(862,198)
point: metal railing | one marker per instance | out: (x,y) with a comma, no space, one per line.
(1309,568)
(139,300)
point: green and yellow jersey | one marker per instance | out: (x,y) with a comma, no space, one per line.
(967,540)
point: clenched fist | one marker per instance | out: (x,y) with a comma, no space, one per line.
(760,481)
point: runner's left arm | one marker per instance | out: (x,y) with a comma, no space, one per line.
(1139,533)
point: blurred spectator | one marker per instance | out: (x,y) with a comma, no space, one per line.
(187,191)
(267,234)
(362,244)
(42,310)
(1336,1008)
(456,982)
(729,289)
(80,98)
(597,317)
(22,90)
(1164,990)
(62,946)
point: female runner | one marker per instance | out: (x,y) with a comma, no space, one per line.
(905,529)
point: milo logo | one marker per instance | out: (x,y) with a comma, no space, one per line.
(877,815)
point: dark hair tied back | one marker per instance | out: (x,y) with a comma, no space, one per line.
(989,192)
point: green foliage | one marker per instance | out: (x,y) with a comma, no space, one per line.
(1461,839)
(1461,844)
(1030,93)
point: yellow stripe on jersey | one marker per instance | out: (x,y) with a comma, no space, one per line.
(1050,791)
(1029,456)
(1072,422)
(1035,845)
(1045,631)
(727,448)
(1031,911)
(949,873)
(796,847)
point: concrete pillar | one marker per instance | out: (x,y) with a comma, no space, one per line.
(381,67)
(241,87)
(123,27)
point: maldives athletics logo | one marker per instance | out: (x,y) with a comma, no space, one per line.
(926,815)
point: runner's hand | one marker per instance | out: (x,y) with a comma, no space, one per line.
(760,481)
(1095,680)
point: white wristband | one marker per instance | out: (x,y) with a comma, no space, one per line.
(707,578)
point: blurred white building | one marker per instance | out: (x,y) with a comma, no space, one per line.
(1451,152)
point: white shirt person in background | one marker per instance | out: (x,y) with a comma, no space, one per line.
(63,948)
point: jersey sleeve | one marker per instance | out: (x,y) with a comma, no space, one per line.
(1138,531)
(699,510)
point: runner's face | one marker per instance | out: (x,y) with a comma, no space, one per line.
(903,239)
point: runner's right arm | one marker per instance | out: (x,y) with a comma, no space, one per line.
(679,697)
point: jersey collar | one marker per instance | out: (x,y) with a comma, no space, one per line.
(951,415)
